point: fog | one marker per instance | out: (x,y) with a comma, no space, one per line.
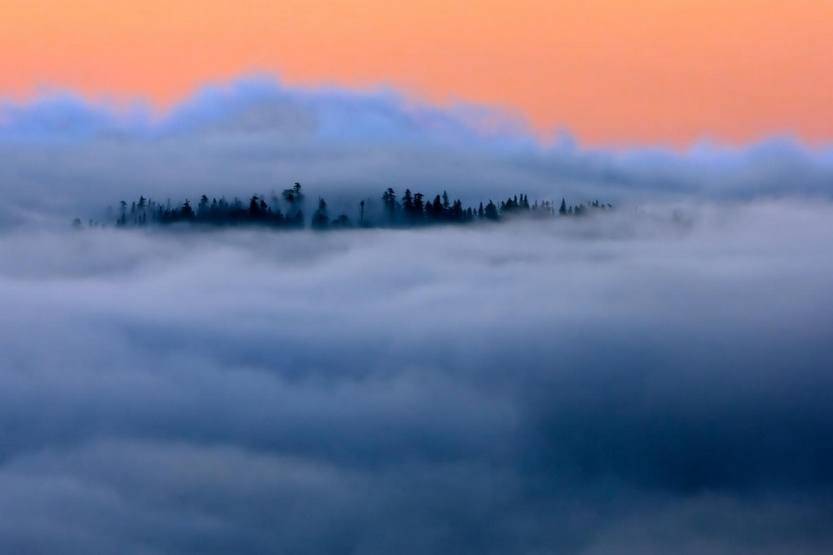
(650,380)
(62,156)
(647,380)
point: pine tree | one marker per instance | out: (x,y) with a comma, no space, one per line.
(320,219)
(186,212)
(491,211)
(419,206)
(389,200)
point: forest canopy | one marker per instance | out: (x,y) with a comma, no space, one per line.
(287,211)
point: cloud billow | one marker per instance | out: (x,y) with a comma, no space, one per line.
(637,383)
(654,380)
(62,154)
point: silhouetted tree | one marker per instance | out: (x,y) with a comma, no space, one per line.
(437,211)
(320,219)
(389,201)
(413,210)
(491,211)
(186,212)
(419,207)
(254,208)
(294,198)
(202,207)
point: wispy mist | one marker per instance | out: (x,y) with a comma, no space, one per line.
(654,379)
(60,155)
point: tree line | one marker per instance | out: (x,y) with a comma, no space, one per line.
(286,211)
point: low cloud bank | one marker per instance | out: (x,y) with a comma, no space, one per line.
(645,382)
(654,380)
(61,156)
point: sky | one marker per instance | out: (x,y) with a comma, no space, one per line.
(612,72)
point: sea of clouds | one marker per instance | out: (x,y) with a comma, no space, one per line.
(656,379)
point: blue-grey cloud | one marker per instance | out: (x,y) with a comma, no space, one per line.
(635,384)
(653,381)
(62,154)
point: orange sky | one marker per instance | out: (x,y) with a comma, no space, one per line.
(613,71)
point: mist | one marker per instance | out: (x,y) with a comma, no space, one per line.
(638,382)
(651,379)
(62,156)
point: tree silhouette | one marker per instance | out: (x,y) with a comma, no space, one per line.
(437,212)
(186,212)
(389,201)
(320,219)
(491,211)
(419,208)
(294,199)
(412,211)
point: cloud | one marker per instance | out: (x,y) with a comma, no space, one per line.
(639,383)
(655,380)
(64,155)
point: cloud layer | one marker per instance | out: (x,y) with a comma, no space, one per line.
(62,155)
(641,383)
(655,380)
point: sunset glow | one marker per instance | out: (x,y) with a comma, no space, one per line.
(611,71)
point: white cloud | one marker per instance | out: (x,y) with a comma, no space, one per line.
(626,383)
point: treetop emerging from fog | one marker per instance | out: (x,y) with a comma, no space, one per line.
(287,210)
